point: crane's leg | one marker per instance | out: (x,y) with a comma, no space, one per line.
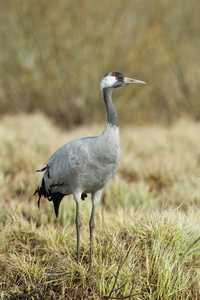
(78,225)
(91,225)
(96,197)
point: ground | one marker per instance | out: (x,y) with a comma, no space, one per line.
(146,239)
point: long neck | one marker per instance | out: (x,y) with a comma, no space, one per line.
(112,117)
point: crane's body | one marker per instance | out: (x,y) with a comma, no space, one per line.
(100,155)
(86,165)
(67,168)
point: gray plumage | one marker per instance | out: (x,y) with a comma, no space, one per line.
(86,165)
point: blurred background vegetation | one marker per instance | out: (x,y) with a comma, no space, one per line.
(54,54)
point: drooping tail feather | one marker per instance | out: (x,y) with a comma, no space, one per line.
(55,197)
(41,191)
(43,169)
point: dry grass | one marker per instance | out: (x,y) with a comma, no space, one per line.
(146,225)
(57,52)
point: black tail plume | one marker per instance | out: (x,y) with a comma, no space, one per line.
(41,190)
(55,197)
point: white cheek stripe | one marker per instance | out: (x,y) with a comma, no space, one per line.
(107,81)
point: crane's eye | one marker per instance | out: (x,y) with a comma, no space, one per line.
(115,74)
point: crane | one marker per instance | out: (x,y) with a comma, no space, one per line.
(86,165)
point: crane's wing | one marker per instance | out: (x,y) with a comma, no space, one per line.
(65,165)
(62,172)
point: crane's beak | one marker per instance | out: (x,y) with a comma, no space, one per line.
(130,80)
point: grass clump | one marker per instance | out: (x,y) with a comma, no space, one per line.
(148,256)
(169,267)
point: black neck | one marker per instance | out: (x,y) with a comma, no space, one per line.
(112,117)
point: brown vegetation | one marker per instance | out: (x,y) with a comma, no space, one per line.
(54,54)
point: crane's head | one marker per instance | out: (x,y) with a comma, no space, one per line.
(113,80)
